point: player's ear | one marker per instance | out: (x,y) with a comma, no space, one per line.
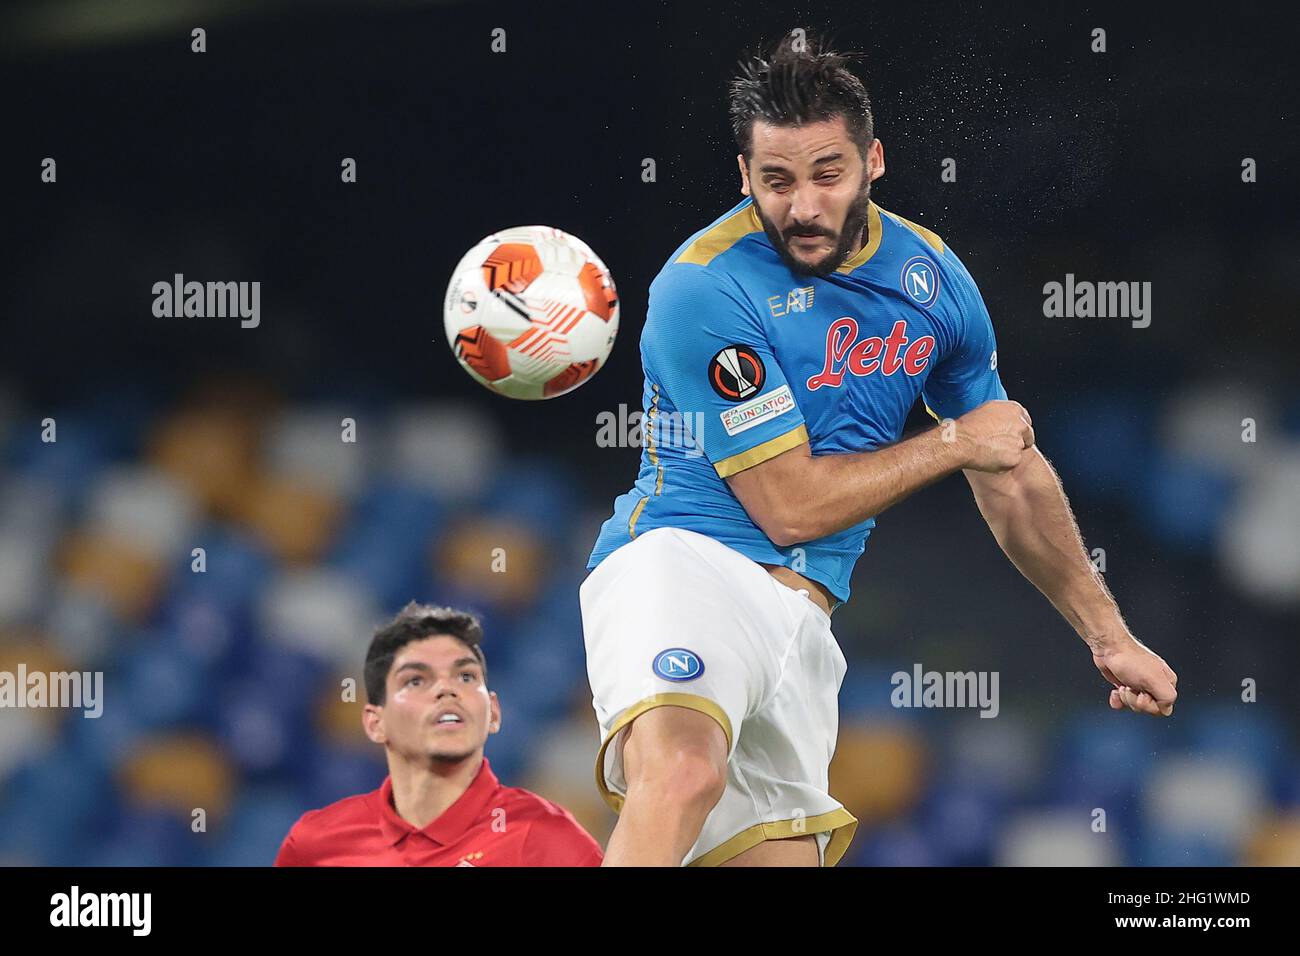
(494,713)
(875,160)
(372,719)
(744,174)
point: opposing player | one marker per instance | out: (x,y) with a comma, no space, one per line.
(441,804)
(783,348)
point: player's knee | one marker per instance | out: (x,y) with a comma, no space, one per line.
(679,779)
(676,759)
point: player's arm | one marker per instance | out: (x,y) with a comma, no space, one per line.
(1026,509)
(798,496)
(701,332)
(1029,515)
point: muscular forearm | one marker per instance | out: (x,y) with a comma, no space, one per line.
(1027,510)
(843,490)
(797,496)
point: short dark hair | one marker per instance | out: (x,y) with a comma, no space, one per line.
(415,622)
(799,82)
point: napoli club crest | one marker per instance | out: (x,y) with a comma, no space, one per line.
(920,280)
(678,664)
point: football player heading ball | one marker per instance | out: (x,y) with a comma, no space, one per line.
(800,328)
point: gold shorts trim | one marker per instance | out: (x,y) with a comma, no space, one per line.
(839,821)
(689,701)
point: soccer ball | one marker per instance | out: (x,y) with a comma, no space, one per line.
(531,312)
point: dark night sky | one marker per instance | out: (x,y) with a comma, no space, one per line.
(226,166)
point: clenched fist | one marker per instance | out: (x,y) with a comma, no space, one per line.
(995,436)
(1142,681)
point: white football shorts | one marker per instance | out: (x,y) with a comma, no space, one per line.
(675,617)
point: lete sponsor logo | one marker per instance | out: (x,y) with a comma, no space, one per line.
(846,353)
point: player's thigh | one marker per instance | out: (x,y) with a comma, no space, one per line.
(794,851)
(669,737)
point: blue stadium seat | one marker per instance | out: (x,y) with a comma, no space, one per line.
(69,464)
(264,720)
(166,684)
(386,542)
(900,844)
(509,750)
(1159,847)
(538,493)
(214,634)
(58,803)
(1101,760)
(339,772)
(1250,733)
(256,827)
(237,568)
(963,820)
(1184,502)
(149,837)
(105,741)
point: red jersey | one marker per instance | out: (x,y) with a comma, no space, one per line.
(489,825)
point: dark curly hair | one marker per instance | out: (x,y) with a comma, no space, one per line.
(415,622)
(799,82)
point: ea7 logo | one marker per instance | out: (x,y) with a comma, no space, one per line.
(846,353)
(796,300)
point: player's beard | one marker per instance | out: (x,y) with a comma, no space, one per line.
(846,244)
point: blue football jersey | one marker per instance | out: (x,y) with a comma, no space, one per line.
(745,359)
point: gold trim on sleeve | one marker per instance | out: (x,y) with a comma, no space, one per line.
(689,701)
(761,453)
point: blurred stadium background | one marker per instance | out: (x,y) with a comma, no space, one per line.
(223,687)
